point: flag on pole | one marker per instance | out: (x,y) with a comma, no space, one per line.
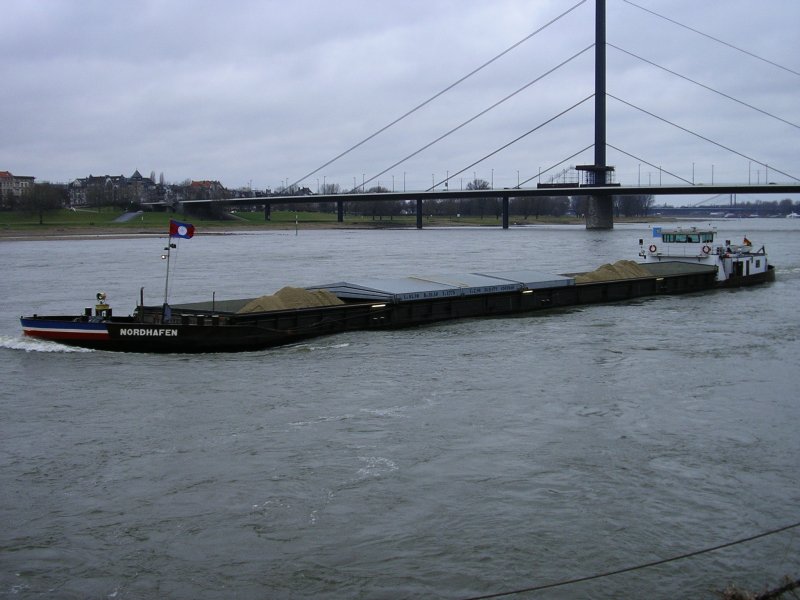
(178,229)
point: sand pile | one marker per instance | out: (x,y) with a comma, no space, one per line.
(291,297)
(622,269)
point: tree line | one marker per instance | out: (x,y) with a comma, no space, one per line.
(43,197)
(524,206)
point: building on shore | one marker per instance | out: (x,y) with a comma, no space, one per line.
(12,187)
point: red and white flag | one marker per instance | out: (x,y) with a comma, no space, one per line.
(178,229)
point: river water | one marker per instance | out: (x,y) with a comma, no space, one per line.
(447,461)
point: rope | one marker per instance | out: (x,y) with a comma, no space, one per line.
(636,567)
(778,592)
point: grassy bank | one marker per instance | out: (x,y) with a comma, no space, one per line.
(66,222)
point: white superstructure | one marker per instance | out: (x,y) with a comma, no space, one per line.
(699,246)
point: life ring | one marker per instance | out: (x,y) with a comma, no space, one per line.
(706,249)
(652,247)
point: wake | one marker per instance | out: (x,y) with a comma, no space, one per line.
(33,345)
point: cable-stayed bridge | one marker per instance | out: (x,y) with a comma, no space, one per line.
(598,184)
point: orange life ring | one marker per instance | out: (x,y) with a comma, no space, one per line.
(706,249)
(652,247)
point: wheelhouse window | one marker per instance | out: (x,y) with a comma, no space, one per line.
(688,238)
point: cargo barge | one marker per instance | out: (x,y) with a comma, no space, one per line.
(296,314)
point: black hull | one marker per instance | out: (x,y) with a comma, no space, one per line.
(748,280)
(214,332)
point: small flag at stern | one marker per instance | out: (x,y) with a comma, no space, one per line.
(178,229)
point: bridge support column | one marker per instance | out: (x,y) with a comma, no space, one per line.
(419,213)
(505,212)
(267,212)
(600,212)
(340,211)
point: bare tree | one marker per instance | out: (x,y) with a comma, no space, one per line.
(633,205)
(478,203)
(42,198)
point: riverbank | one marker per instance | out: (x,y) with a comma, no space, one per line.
(68,231)
(202,229)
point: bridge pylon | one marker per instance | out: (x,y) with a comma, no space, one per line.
(600,209)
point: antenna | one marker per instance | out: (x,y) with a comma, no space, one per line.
(166,257)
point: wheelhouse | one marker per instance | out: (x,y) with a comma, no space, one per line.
(687,237)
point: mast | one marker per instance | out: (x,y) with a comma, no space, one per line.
(166,256)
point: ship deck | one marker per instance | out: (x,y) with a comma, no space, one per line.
(416,288)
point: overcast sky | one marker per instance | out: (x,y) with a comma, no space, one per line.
(263,92)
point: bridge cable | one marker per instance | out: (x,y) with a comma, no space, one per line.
(515,140)
(711,37)
(709,199)
(473,118)
(440,93)
(636,567)
(705,86)
(551,167)
(703,137)
(649,164)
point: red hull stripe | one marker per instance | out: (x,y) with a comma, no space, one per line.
(52,333)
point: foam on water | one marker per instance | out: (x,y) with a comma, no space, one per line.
(313,347)
(32,345)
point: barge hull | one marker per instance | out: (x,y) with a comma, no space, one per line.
(199,331)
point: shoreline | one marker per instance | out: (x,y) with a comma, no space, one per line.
(99,233)
(61,233)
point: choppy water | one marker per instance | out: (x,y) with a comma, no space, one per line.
(448,461)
